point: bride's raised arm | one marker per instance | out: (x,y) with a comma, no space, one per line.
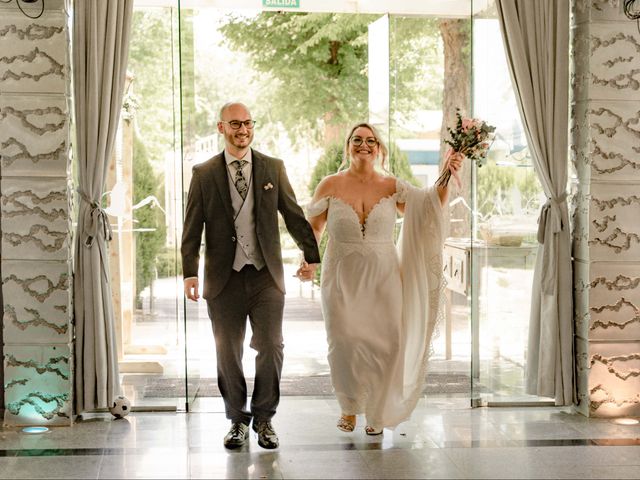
(453,162)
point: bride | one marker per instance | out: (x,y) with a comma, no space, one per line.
(380,300)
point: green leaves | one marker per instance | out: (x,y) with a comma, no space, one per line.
(315,64)
(471,137)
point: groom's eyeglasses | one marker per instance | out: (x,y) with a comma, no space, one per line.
(357,141)
(236,124)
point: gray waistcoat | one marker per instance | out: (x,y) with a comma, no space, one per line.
(247,249)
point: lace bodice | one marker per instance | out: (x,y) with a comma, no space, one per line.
(343,223)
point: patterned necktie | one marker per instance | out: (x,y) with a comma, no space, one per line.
(239,180)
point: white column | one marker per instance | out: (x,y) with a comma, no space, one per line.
(605,139)
(36,214)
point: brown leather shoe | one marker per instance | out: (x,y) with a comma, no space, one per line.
(237,436)
(267,437)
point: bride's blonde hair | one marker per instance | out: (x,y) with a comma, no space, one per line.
(383,150)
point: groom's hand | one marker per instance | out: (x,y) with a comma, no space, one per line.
(191,288)
(307,271)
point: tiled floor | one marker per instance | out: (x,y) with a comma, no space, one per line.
(445,439)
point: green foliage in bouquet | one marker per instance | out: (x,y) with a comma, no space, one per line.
(470,137)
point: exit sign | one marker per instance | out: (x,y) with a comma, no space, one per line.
(281,3)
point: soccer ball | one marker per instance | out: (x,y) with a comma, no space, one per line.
(120,407)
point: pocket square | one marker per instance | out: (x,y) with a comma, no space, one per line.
(268,186)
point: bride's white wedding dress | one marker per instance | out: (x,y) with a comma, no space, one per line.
(381,301)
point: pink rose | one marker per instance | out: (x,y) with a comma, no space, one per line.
(467,123)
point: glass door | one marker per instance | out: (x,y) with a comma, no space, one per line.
(398,73)
(507,200)
(429,78)
(395,79)
(195,320)
(420,62)
(144,254)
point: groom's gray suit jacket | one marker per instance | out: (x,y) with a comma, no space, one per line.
(209,207)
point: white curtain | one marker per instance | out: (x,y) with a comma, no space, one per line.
(536,39)
(101,32)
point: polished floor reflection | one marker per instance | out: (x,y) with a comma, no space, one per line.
(445,439)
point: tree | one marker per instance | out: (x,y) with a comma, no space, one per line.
(317,66)
(150,62)
(188,80)
(456,36)
(399,165)
(416,74)
(148,243)
(327,164)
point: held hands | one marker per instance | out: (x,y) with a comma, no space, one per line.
(191,288)
(307,271)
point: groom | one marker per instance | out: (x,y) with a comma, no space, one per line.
(235,197)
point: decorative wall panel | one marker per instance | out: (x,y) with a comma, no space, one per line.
(581,299)
(615,139)
(614,230)
(36,215)
(582,376)
(580,217)
(597,10)
(34,53)
(615,61)
(580,144)
(614,379)
(34,135)
(35,218)
(605,138)
(614,302)
(38,384)
(37,302)
(581,47)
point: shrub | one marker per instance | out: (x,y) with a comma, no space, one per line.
(148,243)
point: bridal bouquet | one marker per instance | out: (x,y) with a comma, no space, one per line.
(472,138)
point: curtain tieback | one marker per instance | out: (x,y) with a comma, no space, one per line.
(552,205)
(96,221)
(551,213)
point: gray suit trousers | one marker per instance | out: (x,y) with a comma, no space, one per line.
(254,294)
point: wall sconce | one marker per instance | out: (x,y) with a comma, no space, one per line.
(19,2)
(632,11)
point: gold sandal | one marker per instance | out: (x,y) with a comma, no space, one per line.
(369,430)
(347,423)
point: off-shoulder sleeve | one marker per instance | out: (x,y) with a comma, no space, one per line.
(316,208)
(402,189)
